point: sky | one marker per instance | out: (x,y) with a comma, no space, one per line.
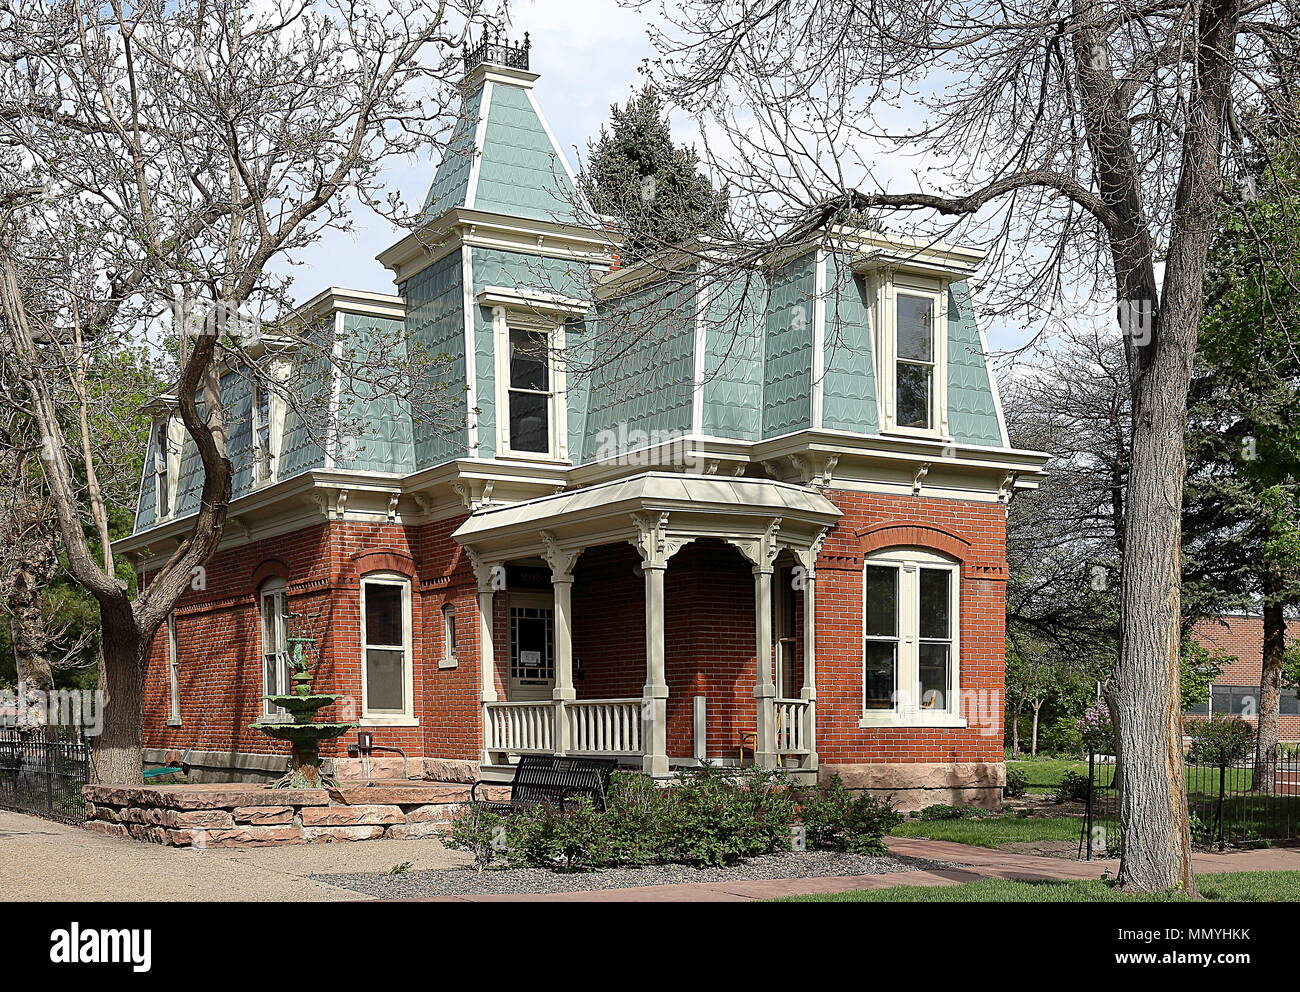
(587,53)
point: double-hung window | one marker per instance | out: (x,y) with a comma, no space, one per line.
(915,361)
(263,455)
(529,393)
(910,650)
(173,674)
(386,647)
(274,608)
(449,659)
(162,468)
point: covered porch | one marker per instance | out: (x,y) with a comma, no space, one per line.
(664,619)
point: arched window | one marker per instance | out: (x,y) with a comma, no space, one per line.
(911,642)
(273,603)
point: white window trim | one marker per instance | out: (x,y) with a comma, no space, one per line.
(503,321)
(272,588)
(170,431)
(275,432)
(449,658)
(907,711)
(407,717)
(173,674)
(888,285)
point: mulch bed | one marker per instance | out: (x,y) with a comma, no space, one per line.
(526,881)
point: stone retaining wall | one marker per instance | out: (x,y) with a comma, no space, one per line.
(233,815)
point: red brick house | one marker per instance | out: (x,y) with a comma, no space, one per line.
(785,547)
(1236,690)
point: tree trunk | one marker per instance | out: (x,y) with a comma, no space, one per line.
(118,754)
(1270,681)
(1015,727)
(1033,746)
(29,631)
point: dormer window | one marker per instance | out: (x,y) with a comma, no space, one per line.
(530,397)
(910,320)
(263,454)
(528,337)
(162,467)
(914,366)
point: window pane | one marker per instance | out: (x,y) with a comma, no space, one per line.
(1200,709)
(528,422)
(383,614)
(878,679)
(934,688)
(915,328)
(528,362)
(913,395)
(882,602)
(385,680)
(449,630)
(1288,703)
(935,603)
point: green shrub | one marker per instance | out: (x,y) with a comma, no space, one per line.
(1221,740)
(1063,738)
(1072,786)
(835,818)
(712,820)
(1017,782)
(942,811)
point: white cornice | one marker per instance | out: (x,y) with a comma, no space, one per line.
(483,229)
(335,298)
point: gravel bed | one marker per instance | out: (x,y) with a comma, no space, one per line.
(522,881)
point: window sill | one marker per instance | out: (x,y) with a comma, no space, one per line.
(531,456)
(925,433)
(444,663)
(918,720)
(173,723)
(383,720)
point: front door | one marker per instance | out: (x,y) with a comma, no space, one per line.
(532,646)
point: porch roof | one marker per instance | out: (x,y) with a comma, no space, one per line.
(689,506)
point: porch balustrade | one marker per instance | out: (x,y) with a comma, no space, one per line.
(524,728)
(605,726)
(792,719)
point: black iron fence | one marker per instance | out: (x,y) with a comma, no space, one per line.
(42,772)
(1242,804)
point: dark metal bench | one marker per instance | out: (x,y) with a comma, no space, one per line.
(545,780)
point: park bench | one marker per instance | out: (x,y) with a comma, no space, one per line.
(547,780)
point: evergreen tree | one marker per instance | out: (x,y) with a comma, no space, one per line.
(653,187)
(1241,525)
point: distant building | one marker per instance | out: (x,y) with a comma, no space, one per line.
(1237,688)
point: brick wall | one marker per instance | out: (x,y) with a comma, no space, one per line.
(710,634)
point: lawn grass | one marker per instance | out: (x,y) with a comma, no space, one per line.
(1045,773)
(992,831)
(1247,886)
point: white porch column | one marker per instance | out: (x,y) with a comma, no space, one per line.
(808,561)
(562,561)
(656,548)
(762,552)
(488,576)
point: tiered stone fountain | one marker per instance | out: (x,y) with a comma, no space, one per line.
(303,735)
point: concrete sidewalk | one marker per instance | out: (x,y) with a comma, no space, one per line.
(44,861)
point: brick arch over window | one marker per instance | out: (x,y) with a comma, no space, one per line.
(272,568)
(897,534)
(384,560)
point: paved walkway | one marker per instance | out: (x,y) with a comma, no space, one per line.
(41,860)
(976,862)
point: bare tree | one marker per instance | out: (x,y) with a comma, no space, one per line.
(160,160)
(1087,141)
